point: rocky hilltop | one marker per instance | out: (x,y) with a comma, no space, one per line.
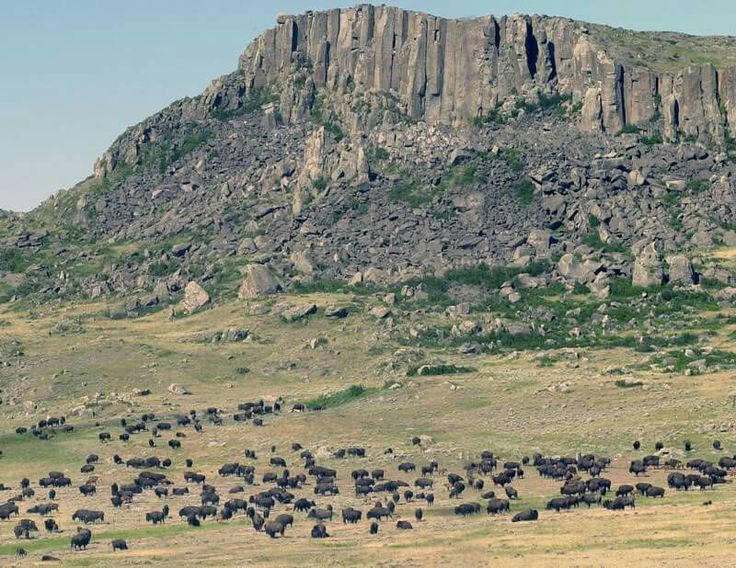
(449,71)
(374,145)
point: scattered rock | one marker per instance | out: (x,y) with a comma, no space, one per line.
(178,389)
(298,312)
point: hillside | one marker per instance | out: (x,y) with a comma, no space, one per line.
(506,245)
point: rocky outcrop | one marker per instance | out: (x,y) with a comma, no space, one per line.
(358,63)
(447,71)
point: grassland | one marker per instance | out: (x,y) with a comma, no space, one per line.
(556,401)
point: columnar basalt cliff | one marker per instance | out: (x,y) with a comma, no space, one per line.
(439,70)
(375,145)
(452,70)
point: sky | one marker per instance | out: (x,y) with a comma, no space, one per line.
(75,73)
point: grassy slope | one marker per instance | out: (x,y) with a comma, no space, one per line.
(510,405)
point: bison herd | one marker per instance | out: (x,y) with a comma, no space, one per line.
(272,494)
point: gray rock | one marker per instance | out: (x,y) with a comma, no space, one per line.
(680,269)
(337,312)
(258,282)
(195,297)
(176,388)
(648,268)
(298,312)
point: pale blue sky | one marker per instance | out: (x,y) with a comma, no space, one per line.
(75,73)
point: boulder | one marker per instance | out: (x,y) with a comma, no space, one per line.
(680,269)
(303,263)
(571,268)
(298,312)
(648,267)
(175,388)
(337,312)
(195,297)
(380,312)
(259,281)
(601,286)
(540,240)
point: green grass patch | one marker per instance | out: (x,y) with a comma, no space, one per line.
(524,191)
(513,159)
(436,370)
(252,103)
(339,398)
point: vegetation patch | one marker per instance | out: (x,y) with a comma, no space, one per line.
(256,99)
(439,369)
(627,384)
(339,398)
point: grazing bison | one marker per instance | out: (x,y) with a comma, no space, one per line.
(272,528)
(620,503)
(87,516)
(655,491)
(590,499)
(351,515)
(466,509)
(119,544)
(319,531)
(87,490)
(496,506)
(637,467)
(406,467)
(528,515)
(677,480)
(321,514)
(302,505)
(44,509)
(373,528)
(559,503)
(423,483)
(155,517)
(285,520)
(404,525)
(80,540)
(50,525)
(379,513)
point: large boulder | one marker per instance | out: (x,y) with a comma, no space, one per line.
(195,297)
(648,267)
(540,239)
(259,281)
(680,269)
(295,313)
(571,268)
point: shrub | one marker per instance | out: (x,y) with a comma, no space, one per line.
(524,190)
(320,184)
(337,398)
(652,139)
(628,129)
(512,156)
(436,370)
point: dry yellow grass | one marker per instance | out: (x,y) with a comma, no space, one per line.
(510,405)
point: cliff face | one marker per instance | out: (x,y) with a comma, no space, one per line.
(451,70)
(356,63)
